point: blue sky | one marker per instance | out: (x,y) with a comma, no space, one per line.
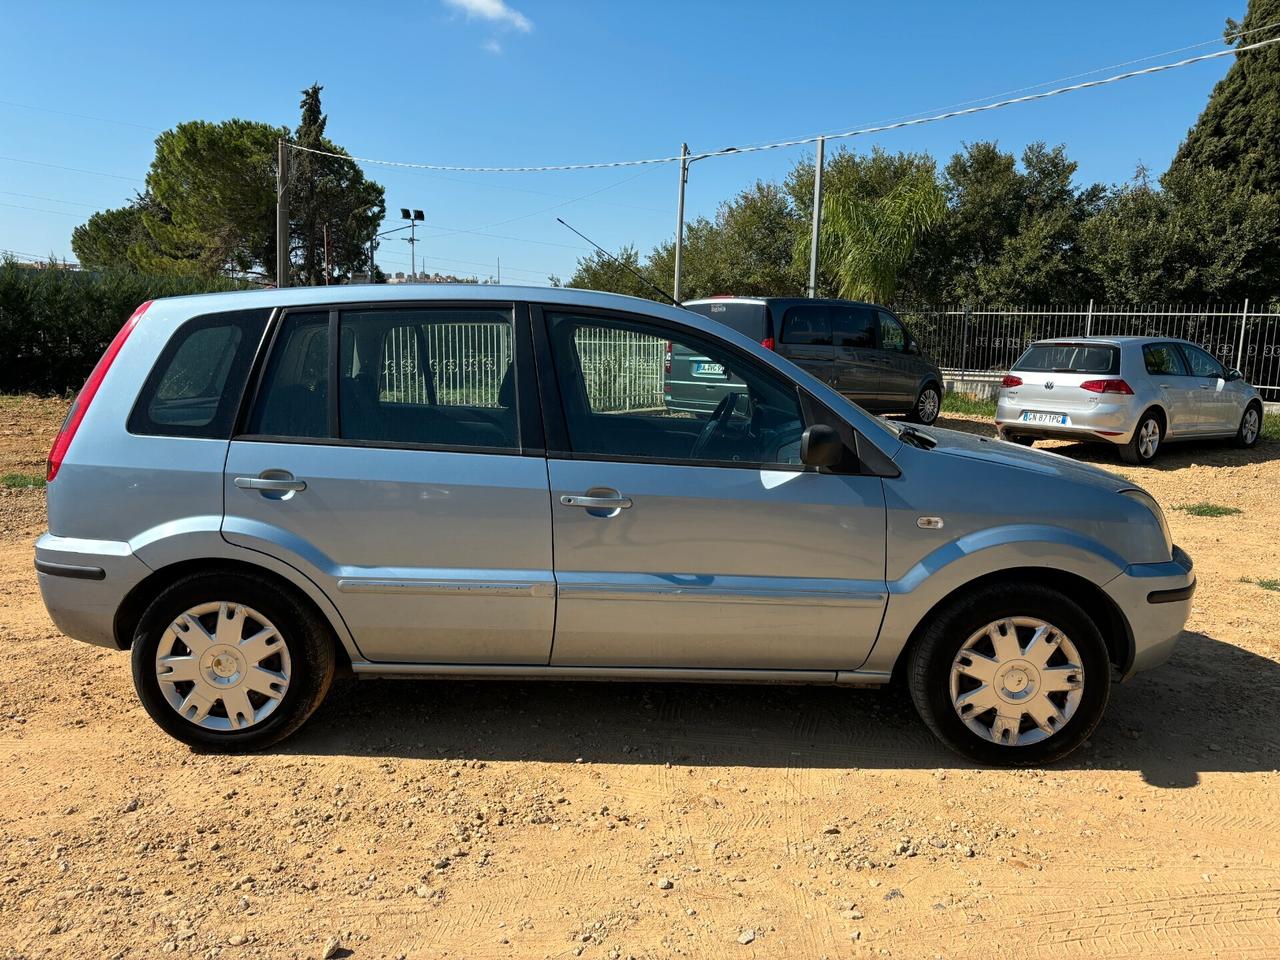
(531,82)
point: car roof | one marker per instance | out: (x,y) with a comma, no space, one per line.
(768,300)
(1112,341)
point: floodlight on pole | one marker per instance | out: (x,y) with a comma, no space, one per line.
(414,217)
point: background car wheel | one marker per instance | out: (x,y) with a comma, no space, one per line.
(1147,436)
(1250,427)
(1011,674)
(928,405)
(1023,441)
(224,661)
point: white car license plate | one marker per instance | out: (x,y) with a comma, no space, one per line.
(1059,419)
(703,368)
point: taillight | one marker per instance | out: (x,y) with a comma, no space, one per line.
(1010,380)
(1107,386)
(666,361)
(85,397)
(767,343)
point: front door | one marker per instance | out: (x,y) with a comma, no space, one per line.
(700,541)
(859,370)
(900,375)
(383,459)
(1218,404)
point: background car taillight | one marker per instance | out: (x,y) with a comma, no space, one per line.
(1009,380)
(85,397)
(666,359)
(767,343)
(1107,386)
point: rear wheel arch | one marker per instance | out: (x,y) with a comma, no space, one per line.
(131,609)
(1091,598)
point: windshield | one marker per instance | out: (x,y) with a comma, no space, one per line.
(749,319)
(1070,358)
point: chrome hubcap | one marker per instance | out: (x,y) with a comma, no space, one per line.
(1017,681)
(223,666)
(1148,439)
(928,405)
(1250,425)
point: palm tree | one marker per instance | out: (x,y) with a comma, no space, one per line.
(866,242)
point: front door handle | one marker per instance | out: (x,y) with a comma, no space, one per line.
(269,483)
(597,503)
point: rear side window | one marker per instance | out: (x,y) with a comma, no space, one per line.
(853,327)
(195,387)
(807,325)
(1070,358)
(1163,359)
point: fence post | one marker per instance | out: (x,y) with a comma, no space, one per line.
(1244,319)
(964,339)
(1088,319)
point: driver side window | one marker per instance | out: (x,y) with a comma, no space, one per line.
(634,390)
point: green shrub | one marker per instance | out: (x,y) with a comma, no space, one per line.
(1205,509)
(21,481)
(54,324)
(967,403)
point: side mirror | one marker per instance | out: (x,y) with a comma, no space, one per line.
(821,446)
(913,348)
(1234,375)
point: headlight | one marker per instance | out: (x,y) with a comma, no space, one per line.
(1149,502)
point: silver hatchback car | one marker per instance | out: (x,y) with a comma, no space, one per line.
(255,489)
(1135,392)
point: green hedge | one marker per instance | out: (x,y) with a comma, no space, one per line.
(54,323)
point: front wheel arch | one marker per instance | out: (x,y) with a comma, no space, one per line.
(1111,622)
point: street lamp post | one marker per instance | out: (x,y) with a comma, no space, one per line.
(685,163)
(414,217)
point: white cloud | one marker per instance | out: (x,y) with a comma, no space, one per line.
(492,46)
(495,11)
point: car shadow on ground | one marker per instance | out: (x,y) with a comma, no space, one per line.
(1199,713)
(1173,456)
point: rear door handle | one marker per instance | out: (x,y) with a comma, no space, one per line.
(597,503)
(277,485)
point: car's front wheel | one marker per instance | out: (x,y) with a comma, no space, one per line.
(928,405)
(224,661)
(1011,674)
(1250,427)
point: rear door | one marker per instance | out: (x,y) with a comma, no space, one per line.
(1179,391)
(858,370)
(692,542)
(805,339)
(393,455)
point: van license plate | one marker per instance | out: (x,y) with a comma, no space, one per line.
(1056,418)
(703,368)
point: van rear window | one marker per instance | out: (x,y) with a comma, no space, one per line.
(1070,358)
(749,319)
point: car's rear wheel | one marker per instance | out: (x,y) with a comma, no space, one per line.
(1011,674)
(1145,443)
(1250,427)
(928,405)
(226,662)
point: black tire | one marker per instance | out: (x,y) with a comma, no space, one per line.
(1241,440)
(927,406)
(932,656)
(307,637)
(1023,441)
(1132,451)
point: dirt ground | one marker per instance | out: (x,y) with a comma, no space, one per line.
(518,819)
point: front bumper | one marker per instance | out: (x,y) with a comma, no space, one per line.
(1155,599)
(1110,421)
(83,583)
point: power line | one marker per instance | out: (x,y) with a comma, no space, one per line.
(55,166)
(59,213)
(801,141)
(79,116)
(32,196)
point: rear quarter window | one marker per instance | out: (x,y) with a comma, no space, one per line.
(1070,358)
(195,387)
(749,319)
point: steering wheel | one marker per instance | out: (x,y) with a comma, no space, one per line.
(715,423)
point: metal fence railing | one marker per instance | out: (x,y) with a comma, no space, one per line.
(986,340)
(623,370)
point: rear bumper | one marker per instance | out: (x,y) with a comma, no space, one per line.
(1156,601)
(83,583)
(1114,422)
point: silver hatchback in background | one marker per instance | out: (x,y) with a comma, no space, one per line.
(1134,392)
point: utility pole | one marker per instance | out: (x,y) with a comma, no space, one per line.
(817,219)
(499,271)
(282,215)
(684,178)
(326,255)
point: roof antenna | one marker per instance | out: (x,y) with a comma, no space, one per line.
(637,274)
